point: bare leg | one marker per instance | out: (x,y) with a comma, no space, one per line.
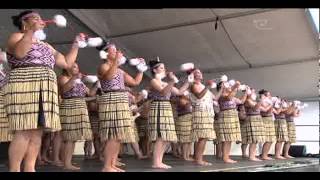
(199,153)
(158,150)
(286,148)
(244,150)
(69,149)
(265,151)
(186,151)
(17,150)
(96,144)
(136,149)
(189,152)
(226,147)
(45,147)
(33,150)
(252,152)
(219,150)
(111,148)
(57,141)
(278,149)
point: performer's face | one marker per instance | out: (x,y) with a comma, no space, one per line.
(112,52)
(75,69)
(34,20)
(268,94)
(160,69)
(197,74)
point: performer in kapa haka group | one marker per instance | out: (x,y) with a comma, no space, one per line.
(31,95)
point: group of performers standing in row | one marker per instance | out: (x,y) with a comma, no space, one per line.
(36,105)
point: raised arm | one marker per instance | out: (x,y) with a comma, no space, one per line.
(65,83)
(133,81)
(195,91)
(180,91)
(163,91)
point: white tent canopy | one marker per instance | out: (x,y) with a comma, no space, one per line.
(275,49)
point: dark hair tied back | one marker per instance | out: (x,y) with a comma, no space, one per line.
(17,20)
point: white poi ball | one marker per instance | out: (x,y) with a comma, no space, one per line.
(103,54)
(95,42)
(142,67)
(82,44)
(224,78)
(186,67)
(60,20)
(90,78)
(232,82)
(144,93)
(242,87)
(134,62)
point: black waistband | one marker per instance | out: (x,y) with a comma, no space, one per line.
(182,114)
(266,115)
(253,114)
(75,97)
(118,90)
(227,109)
(33,65)
(160,100)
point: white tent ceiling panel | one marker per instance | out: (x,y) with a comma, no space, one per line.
(269,37)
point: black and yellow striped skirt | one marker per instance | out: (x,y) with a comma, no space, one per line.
(228,126)
(255,130)
(31,99)
(202,125)
(270,132)
(75,121)
(243,129)
(115,117)
(281,129)
(94,121)
(142,126)
(5,133)
(161,123)
(291,131)
(184,128)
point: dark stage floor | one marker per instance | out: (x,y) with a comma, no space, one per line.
(133,165)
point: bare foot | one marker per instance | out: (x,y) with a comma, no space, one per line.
(188,159)
(72,167)
(245,156)
(57,163)
(109,170)
(118,169)
(142,157)
(229,161)
(203,163)
(254,159)
(266,158)
(159,166)
(280,157)
(167,166)
(288,157)
(118,163)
